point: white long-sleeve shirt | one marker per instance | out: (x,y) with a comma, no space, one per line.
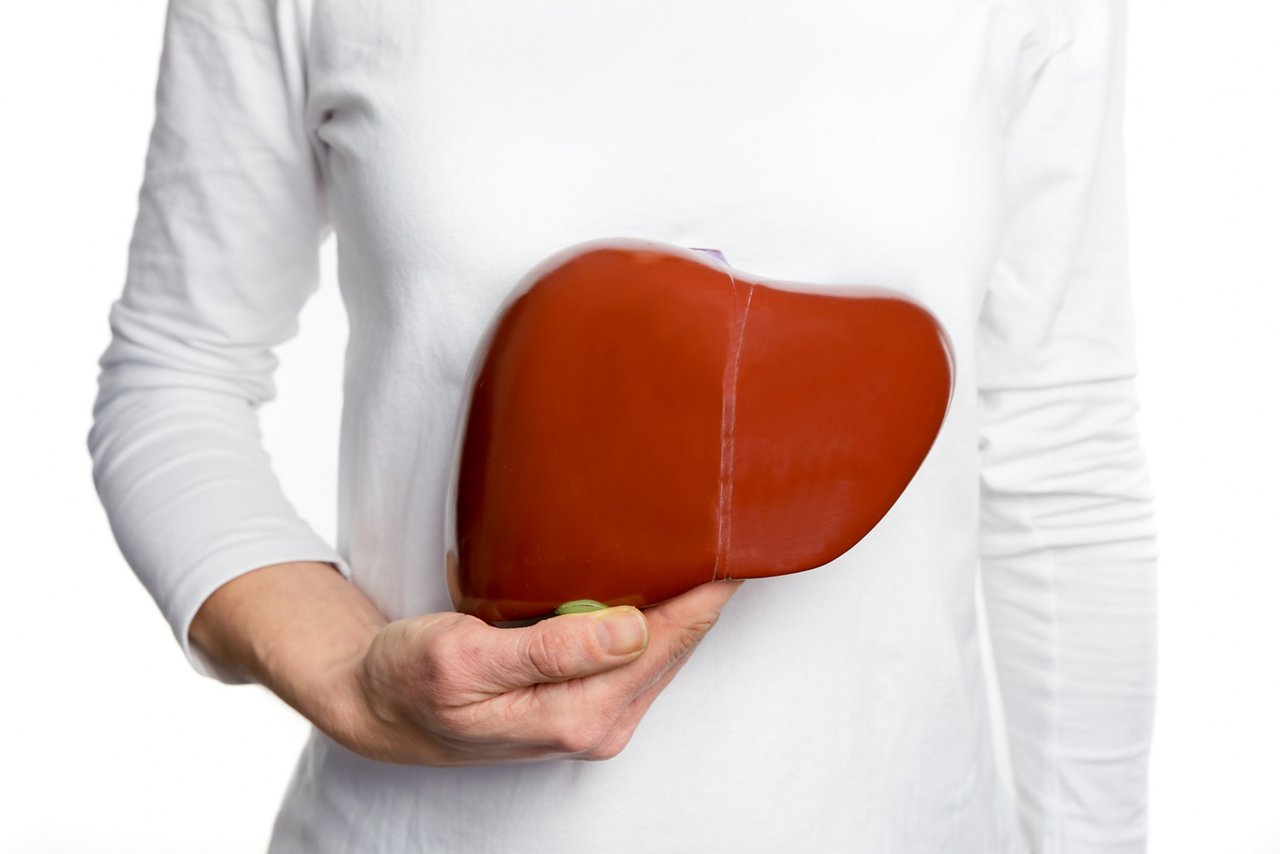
(968,154)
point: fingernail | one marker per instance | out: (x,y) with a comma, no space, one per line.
(621,630)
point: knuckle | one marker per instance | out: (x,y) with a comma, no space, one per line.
(614,742)
(574,742)
(690,633)
(441,665)
(553,654)
(702,623)
(683,644)
(580,737)
(441,629)
(448,664)
(608,750)
(457,720)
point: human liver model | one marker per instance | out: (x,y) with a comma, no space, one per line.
(644,418)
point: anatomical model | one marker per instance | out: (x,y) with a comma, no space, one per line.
(644,418)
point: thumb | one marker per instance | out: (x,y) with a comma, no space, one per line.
(567,647)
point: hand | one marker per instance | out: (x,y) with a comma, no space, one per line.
(448,689)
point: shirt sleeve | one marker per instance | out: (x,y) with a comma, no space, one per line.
(1067,539)
(224,253)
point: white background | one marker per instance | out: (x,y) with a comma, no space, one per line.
(108,742)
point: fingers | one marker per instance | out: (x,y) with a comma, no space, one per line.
(575,646)
(675,628)
(603,706)
(689,616)
(625,726)
(572,646)
(574,685)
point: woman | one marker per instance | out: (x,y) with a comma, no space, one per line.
(967,154)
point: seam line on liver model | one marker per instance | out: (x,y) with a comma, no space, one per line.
(728,423)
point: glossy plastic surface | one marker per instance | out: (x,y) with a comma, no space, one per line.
(644,418)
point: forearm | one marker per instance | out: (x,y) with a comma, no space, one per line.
(224,253)
(1069,572)
(1074,637)
(445,688)
(298,628)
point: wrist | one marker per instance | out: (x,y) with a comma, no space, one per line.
(329,690)
(301,630)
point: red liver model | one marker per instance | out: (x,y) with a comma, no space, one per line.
(644,418)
